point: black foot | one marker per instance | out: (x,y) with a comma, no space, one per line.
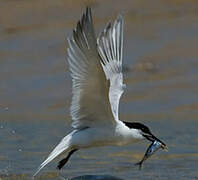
(64,161)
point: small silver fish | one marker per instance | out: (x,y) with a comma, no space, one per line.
(156,145)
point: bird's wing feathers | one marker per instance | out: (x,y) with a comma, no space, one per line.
(90,103)
(97,82)
(110,47)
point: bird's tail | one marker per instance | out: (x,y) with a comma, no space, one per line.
(63,146)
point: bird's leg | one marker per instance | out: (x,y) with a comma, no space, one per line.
(64,161)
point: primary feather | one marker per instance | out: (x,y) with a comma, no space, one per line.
(90,103)
(110,46)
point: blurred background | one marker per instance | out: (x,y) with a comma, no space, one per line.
(160,71)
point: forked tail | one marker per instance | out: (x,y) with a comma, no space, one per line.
(63,146)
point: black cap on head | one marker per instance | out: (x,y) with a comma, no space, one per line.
(136,125)
(145,132)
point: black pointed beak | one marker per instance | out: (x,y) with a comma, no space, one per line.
(152,138)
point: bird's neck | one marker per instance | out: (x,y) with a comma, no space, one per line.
(127,135)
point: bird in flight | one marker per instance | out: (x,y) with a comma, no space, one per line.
(97,85)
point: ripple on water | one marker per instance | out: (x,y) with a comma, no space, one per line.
(160,71)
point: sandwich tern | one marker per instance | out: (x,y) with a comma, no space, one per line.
(97,85)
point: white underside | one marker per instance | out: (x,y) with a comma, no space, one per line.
(104,136)
(94,137)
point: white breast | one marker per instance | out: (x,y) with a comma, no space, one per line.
(103,136)
(127,135)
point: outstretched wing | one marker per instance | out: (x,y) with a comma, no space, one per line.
(90,103)
(110,47)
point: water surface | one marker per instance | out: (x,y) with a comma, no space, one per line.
(160,63)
